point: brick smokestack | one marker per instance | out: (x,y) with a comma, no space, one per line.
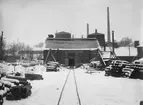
(108,26)
(140,47)
(141,27)
(95,30)
(87,29)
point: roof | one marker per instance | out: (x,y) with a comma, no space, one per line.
(91,49)
(72,39)
(96,33)
(72,44)
(63,32)
(141,59)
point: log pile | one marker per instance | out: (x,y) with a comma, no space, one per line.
(33,76)
(14,88)
(137,71)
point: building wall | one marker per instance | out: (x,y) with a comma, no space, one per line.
(99,37)
(63,35)
(60,56)
(63,56)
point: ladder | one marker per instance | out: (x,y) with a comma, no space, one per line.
(101,58)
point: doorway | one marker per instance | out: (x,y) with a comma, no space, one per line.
(71,62)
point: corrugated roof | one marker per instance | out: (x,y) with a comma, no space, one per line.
(72,44)
(91,49)
(71,39)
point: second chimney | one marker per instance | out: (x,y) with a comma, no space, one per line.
(87,29)
(108,25)
(95,30)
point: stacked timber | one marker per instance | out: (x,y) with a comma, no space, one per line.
(14,88)
(33,76)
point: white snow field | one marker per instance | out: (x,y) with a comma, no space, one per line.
(94,89)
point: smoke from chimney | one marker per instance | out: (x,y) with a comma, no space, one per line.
(108,26)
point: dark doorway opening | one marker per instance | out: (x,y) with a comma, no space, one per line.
(71,62)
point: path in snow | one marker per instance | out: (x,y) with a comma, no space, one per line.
(69,96)
(44,92)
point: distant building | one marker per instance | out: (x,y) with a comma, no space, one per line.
(70,51)
(28,55)
(100,37)
(63,34)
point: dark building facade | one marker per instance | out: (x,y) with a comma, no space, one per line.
(70,51)
(62,35)
(99,36)
(71,57)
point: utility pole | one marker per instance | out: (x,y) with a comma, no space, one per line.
(129,50)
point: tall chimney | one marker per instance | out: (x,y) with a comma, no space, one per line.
(108,26)
(95,30)
(113,41)
(87,29)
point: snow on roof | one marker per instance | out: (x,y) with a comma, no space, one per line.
(72,44)
(141,59)
(71,48)
(63,32)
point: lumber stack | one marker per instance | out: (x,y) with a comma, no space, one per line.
(33,76)
(14,88)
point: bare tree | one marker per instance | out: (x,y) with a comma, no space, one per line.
(30,52)
(126,41)
(13,48)
(16,47)
(39,45)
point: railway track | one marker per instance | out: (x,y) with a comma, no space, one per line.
(76,88)
(70,81)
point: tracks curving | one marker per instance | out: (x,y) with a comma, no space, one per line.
(75,85)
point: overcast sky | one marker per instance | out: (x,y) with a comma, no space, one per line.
(31,21)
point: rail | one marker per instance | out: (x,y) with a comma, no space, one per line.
(76,86)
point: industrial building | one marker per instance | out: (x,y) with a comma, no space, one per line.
(71,51)
(100,37)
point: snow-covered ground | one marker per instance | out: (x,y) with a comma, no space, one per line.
(94,89)
(97,89)
(124,51)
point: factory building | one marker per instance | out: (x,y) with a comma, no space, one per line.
(100,37)
(70,51)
